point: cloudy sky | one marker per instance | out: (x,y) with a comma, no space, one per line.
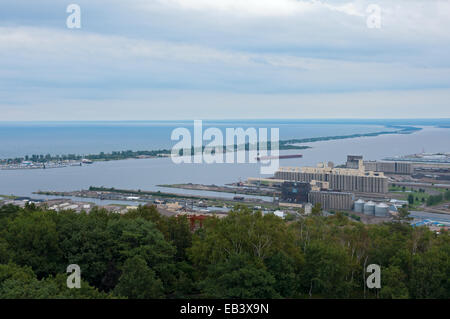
(224,59)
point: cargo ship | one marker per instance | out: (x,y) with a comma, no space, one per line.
(86,161)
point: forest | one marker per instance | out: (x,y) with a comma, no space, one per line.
(144,255)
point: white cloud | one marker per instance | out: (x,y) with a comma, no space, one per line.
(246,7)
(262,8)
(187,105)
(66,55)
(227,51)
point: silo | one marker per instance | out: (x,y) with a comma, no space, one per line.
(381,210)
(369,208)
(359,205)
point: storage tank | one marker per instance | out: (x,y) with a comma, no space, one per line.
(359,205)
(369,208)
(381,210)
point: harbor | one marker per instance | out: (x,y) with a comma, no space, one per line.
(43,165)
(220,183)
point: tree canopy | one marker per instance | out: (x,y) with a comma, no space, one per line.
(248,254)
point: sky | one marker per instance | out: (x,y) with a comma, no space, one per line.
(224,59)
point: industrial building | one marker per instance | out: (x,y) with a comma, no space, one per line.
(319,185)
(359,206)
(353,161)
(295,192)
(381,210)
(331,200)
(389,167)
(341,179)
(377,166)
(371,209)
(315,192)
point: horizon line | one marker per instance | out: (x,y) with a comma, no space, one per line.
(232,119)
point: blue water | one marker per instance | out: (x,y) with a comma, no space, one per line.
(58,138)
(18,139)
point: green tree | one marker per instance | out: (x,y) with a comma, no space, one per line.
(430,273)
(316,210)
(434,199)
(403,214)
(140,237)
(326,270)
(138,281)
(284,269)
(86,241)
(447,195)
(239,277)
(180,235)
(242,232)
(8,210)
(393,283)
(32,239)
(411,199)
(20,282)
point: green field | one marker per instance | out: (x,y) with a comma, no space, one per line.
(420,196)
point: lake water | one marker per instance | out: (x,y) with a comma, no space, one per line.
(20,139)
(146,174)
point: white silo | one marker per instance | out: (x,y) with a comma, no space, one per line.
(381,210)
(369,208)
(359,205)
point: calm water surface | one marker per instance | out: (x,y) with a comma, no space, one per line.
(146,174)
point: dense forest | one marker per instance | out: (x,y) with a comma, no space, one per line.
(143,254)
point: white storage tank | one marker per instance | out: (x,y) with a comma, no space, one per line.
(359,206)
(381,210)
(369,208)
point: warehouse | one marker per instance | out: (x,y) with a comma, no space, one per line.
(332,200)
(341,179)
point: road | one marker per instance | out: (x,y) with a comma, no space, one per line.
(432,216)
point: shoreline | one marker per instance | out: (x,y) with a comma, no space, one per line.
(221,189)
(144,197)
(48,161)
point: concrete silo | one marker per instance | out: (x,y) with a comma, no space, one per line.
(369,208)
(381,210)
(359,206)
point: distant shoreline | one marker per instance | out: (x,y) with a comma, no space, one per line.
(290,144)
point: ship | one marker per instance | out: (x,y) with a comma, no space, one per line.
(86,161)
